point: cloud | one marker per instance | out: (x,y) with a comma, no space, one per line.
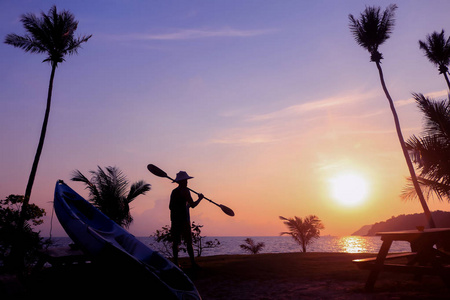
(287,123)
(303,108)
(433,95)
(189,34)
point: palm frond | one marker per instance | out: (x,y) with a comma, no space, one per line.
(138,188)
(51,33)
(430,187)
(437,49)
(78,176)
(373,28)
(436,115)
(109,192)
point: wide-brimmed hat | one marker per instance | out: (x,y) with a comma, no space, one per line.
(182,175)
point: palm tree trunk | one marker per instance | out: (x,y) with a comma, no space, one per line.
(405,151)
(18,251)
(39,148)
(446,79)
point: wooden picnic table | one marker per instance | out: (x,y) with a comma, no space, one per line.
(424,257)
(61,256)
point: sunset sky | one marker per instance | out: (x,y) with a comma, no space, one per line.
(265,103)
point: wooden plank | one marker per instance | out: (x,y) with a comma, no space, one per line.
(390,256)
(61,256)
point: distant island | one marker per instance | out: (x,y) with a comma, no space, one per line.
(405,222)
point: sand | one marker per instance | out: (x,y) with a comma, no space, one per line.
(261,276)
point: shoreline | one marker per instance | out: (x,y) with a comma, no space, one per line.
(310,275)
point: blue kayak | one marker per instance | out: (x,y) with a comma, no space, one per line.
(103,239)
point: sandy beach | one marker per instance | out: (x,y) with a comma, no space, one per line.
(262,276)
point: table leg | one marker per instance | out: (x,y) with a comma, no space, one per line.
(378,265)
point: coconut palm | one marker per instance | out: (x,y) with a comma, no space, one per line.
(437,50)
(431,153)
(52,34)
(108,191)
(370,31)
(303,231)
(251,246)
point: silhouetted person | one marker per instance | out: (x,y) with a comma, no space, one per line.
(180,202)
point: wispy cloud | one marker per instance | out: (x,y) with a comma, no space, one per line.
(189,34)
(307,107)
(434,95)
(297,121)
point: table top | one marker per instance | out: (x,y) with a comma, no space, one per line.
(411,234)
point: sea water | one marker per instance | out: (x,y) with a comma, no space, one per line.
(281,244)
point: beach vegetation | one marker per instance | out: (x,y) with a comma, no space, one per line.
(164,241)
(303,230)
(431,152)
(30,240)
(437,50)
(371,30)
(252,247)
(109,192)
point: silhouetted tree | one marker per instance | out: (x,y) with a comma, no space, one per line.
(52,34)
(30,242)
(164,239)
(431,153)
(108,191)
(437,50)
(370,31)
(251,246)
(303,231)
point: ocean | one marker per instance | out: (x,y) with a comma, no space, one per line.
(280,244)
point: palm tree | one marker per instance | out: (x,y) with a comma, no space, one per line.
(303,231)
(437,50)
(370,31)
(52,34)
(431,152)
(251,246)
(108,191)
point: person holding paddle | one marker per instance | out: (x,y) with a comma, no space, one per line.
(180,202)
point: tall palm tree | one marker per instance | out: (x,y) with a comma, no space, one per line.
(437,50)
(303,231)
(52,34)
(431,152)
(370,31)
(108,191)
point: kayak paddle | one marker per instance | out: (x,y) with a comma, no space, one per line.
(160,173)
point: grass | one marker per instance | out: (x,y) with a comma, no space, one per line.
(261,276)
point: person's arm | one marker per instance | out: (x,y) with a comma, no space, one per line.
(191,202)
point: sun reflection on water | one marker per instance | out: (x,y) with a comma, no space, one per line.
(353,244)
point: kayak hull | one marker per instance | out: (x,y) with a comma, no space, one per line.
(103,239)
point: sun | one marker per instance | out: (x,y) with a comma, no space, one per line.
(349,188)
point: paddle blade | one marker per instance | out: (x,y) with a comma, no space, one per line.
(227,210)
(156,171)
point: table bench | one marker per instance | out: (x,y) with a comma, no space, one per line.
(61,256)
(426,260)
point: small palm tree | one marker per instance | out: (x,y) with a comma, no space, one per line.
(52,34)
(108,191)
(431,153)
(437,50)
(303,231)
(251,246)
(370,31)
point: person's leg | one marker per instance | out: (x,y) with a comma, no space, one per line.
(190,251)
(176,240)
(175,252)
(187,236)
